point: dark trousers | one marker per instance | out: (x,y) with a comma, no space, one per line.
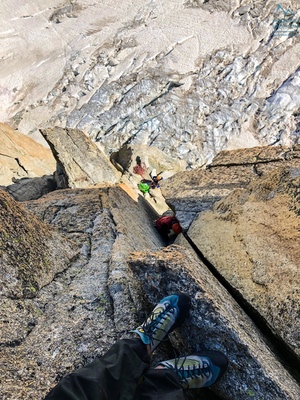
(123,373)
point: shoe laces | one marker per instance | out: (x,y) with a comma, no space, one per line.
(150,327)
(189,372)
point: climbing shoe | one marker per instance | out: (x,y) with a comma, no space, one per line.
(169,313)
(199,370)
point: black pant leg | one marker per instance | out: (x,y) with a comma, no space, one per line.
(114,376)
(159,384)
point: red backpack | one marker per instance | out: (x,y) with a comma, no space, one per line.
(167,219)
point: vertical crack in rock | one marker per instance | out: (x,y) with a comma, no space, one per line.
(275,343)
(20,165)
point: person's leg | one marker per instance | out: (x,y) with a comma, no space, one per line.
(113,376)
(169,379)
(160,384)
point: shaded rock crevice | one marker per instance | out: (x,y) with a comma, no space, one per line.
(20,165)
(282,351)
(248,236)
(209,324)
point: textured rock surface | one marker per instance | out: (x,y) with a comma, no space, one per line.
(31,188)
(27,248)
(22,157)
(190,77)
(31,254)
(248,227)
(252,238)
(82,161)
(98,299)
(152,162)
(191,192)
(151,158)
(216,322)
(86,307)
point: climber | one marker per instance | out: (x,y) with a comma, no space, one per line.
(140,168)
(168,226)
(145,184)
(124,372)
(144,187)
(155,178)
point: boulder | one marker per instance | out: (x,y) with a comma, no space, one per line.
(31,188)
(22,157)
(252,238)
(189,193)
(82,162)
(31,251)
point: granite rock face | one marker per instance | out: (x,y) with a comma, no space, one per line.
(197,191)
(241,214)
(215,322)
(81,267)
(22,157)
(87,306)
(31,252)
(192,78)
(149,158)
(82,162)
(120,271)
(140,163)
(252,238)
